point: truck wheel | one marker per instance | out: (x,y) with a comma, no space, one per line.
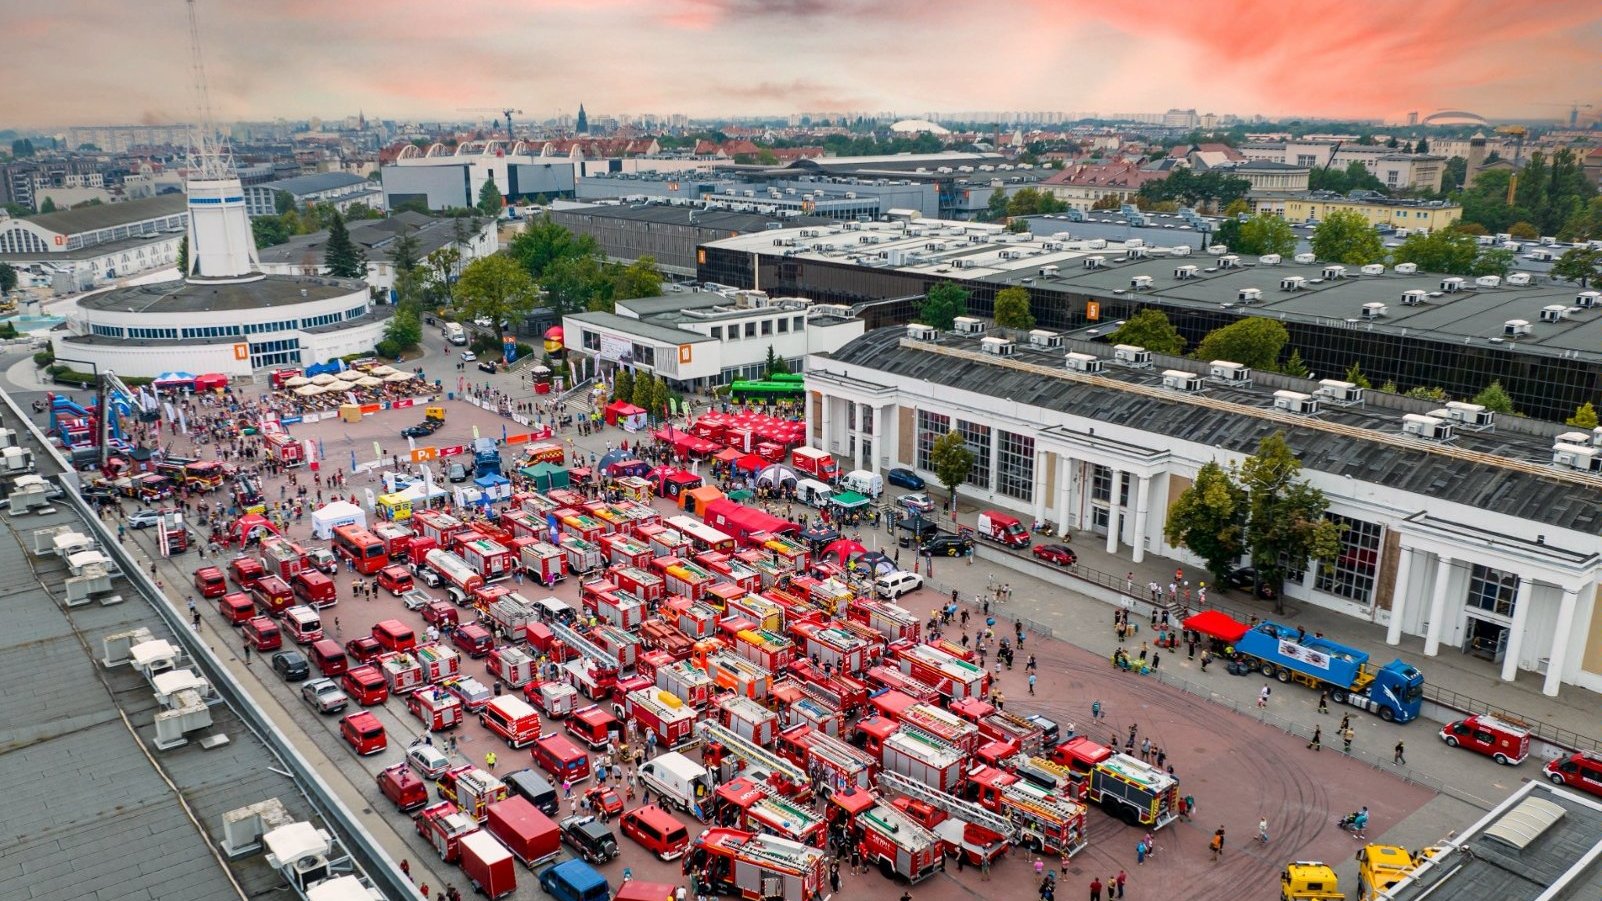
(1283,675)
(1338,695)
(1387,715)
(1267,668)
(886,870)
(1500,758)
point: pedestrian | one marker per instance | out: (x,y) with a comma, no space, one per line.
(1346,740)
(1031,675)
(489,760)
(406,868)
(1095,889)
(1323,702)
(1216,844)
(1140,853)
(1119,881)
(247,652)
(1400,757)
(423,889)
(196,623)
(1156,657)
(1262,698)
(1095,710)
(1262,829)
(1318,739)
(1346,721)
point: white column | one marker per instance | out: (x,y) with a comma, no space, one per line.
(1064,495)
(1561,636)
(889,434)
(1038,480)
(1432,636)
(1404,571)
(1113,497)
(1142,501)
(863,412)
(824,442)
(1515,635)
(995,453)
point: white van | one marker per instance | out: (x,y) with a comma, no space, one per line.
(893,585)
(455,333)
(813,492)
(863,482)
(679,782)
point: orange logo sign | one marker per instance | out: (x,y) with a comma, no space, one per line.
(1092,310)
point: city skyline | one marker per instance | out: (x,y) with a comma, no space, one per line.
(772,57)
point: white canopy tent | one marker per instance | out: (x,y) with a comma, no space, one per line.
(334,514)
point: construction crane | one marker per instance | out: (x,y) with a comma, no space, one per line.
(508,112)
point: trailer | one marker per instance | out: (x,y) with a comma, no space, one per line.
(512,665)
(748,719)
(471,789)
(760,867)
(769,650)
(687,683)
(488,865)
(661,713)
(443,825)
(920,756)
(831,645)
(966,827)
(582,555)
(1395,691)
(527,833)
(952,677)
(726,750)
(736,674)
(902,848)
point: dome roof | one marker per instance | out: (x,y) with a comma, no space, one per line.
(913,126)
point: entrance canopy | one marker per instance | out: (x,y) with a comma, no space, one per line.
(1217,625)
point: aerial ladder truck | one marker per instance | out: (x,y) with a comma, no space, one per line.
(594,671)
(760,764)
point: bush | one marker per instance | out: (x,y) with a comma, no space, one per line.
(44,358)
(386,348)
(523,350)
(66,375)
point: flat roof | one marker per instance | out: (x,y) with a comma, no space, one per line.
(668,214)
(110,215)
(375,235)
(320,181)
(191,297)
(640,328)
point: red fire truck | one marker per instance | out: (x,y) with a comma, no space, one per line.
(844,765)
(282,557)
(472,790)
(759,867)
(832,645)
(442,825)
(437,708)
(944,725)
(900,846)
(952,677)
(492,560)
(924,758)
(662,713)
(752,806)
(748,719)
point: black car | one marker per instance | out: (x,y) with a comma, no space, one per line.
(590,838)
(291,665)
(416,431)
(1244,578)
(946,545)
(914,530)
(534,789)
(488,366)
(456,472)
(906,478)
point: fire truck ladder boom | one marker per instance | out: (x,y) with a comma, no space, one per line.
(955,807)
(1044,806)
(765,849)
(747,751)
(584,646)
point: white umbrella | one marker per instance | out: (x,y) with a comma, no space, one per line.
(322,378)
(337,385)
(309,390)
(368,381)
(296,381)
(398,377)
(381,370)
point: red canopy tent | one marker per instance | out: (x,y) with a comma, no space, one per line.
(1217,625)
(750,463)
(728,455)
(210,380)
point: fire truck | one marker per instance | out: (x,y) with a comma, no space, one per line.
(902,847)
(759,867)
(732,754)
(401,671)
(731,570)
(545,563)
(758,609)
(832,645)
(594,672)
(738,675)
(752,806)
(461,580)
(438,662)
(437,708)
(1025,736)
(918,755)
(621,644)
(437,525)
(582,556)
(944,725)
(748,719)
(895,680)
(689,684)
(838,690)
(626,550)
(639,582)
(684,578)
(282,557)
(442,825)
(803,709)
(492,560)
(965,827)
(792,554)
(1133,791)
(584,527)
(511,613)
(844,766)
(284,448)
(660,712)
(620,607)
(665,637)
(512,665)
(695,621)
(471,789)
(667,542)
(952,677)
(893,621)
(1048,823)
(769,650)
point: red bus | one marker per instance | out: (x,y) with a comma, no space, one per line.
(361,547)
(702,536)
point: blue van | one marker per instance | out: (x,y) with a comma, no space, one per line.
(575,880)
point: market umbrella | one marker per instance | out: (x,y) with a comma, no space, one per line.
(309,390)
(728,455)
(368,381)
(741,495)
(381,370)
(395,377)
(338,385)
(322,378)
(296,381)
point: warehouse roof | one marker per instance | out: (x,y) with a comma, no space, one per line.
(110,215)
(320,181)
(201,297)
(664,333)
(667,214)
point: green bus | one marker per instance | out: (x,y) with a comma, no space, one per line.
(787,377)
(766,390)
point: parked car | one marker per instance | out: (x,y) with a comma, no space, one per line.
(324,696)
(947,545)
(143,519)
(291,666)
(589,838)
(906,478)
(920,503)
(323,560)
(429,761)
(487,366)
(1055,554)
(1244,578)
(469,356)
(421,430)
(456,473)
(605,800)
(893,585)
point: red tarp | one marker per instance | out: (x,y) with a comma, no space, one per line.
(1216,625)
(210,380)
(742,522)
(750,463)
(728,455)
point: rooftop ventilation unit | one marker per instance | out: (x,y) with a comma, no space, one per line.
(1339,394)
(1555,312)
(1333,272)
(1230,373)
(1518,279)
(1217,249)
(1488,281)
(1429,428)
(1045,340)
(962,264)
(1098,244)
(1292,283)
(1414,297)
(1588,299)
(1140,283)
(1451,284)
(1373,311)
(1185,272)
(1095,262)
(1306,258)
(1515,328)
(1406,268)
(1581,438)
(1229,261)
(1078,362)
(917,331)
(1181,250)
(1135,253)
(1268,259)
(998,347)
(1473,417)
(968,325)
(1180,380)
(1132,356)
(1048,270)
(1372,269)
(1577,456)
(1296,402)
(1249,295)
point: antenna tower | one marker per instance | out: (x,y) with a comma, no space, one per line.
(210,158)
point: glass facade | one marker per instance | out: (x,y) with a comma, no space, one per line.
(1015,466)
(1492,590)
(977,438)
(930,427)
(275,353)
(1352,574)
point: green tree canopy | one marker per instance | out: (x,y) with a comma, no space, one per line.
(1286,527)
(490,201)
(1585,224)
(1584,417)
(1346,237)
(183,254)
(1495,398)
(1579,264)
(1012,308)
(1209,520)
(1150,329)
(1265,233)
(543,242)
(1294,365)
(8,279)
(644,391)
(1032,202)
(1215,187)
(1446,250)
(341,257)
(268,231)
(1355,177)
(996,206)
(404,251)
(1254,341)
(403,332)
(952,462)
(774,365)
(495,288)
(623,385)
(1354,374)
(942,305)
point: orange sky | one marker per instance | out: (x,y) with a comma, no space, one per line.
(89,62)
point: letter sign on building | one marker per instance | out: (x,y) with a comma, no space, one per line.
(1092,311)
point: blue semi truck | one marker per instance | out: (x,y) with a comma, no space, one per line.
(1395,691)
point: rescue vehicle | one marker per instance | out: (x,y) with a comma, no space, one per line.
(656,633)
(733,673)
(443,825)
(314,588)
(492,560)
(555,699)
(545,563)
(1132,790)
(1500,740)
(759,867)
(966,828)
(556,754)
(303,624)
(901,847)
(512,665)
(594,726)
(769,650)
(513,720)
(1047,823)
(474,639)
(471,789)
(844,766)
(620,606)
(460,579)
(528,834)
(663,714)
(731,754)
(687,683)
(920,756)
(754,807)
(401,672)
(893,621)
(952,677)
(582,556)
(944,725)
(684,578)
(273,595)
(748,719)
(397,580)
(437,708)
(282,557)
(402,787)
(262,633)
(210,582)
(363,732)
(365,685)
(626,550)
(764,612)
(832,645)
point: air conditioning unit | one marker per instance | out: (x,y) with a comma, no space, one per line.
(1229,261)
(1488,281)
(1295,402)
(1451,284)
(1575,456)
(1045,340)
(1218,249)
(1414,297)
(1555,312)
(1339,393)
(1292,283)
(962,264)
(1132,356)
(1515,328)
(1185,272)
(1095,262)
(1098,244)
(997,347)
(1078,362)
(968,325)
(1140,283)
(1372,269)
(1333,272)
(1518,279)
(1135,253)
(1406,268)
(1268,259)
(1249,295)
(917,331)
(1587,299)
(1232,373)
(1430,428)
(1180,250)
(1048,271)
(1580,438)
(1306,258)
(1470,416)
(1373,310)
(1180,380)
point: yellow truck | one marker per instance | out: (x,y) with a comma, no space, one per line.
(1379,867)
(1309,880)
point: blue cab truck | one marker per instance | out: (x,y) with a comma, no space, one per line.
(1395,691)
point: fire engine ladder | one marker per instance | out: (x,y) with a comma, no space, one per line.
(765,851)
(1044,806)
(752,753)
(955,807)
(833,750)
(586,648)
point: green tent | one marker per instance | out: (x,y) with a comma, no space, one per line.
(849,500)
(741,495)
(545,476)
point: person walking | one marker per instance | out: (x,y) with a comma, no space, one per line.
(1095,888)
(1346,740)
(1262,698)
(489,760)
(1217,844)
(1031,675)
(1140,853)
(1119,881)
(1346,722)
(1323,702)
(247,652)
(1095,710)
(1318,739)
(1400,756)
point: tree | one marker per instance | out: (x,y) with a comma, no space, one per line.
(996,206)
(1585,224)
(1254,341)
(1107,202)
(1294,365)
(1150,329)
(1209,520)
(1354,374)
(283,202)
(942,305)
(543,242)
(1446,250)
(1579,264)
(1346,237)
(623,385)
(403,332)
(8,279)
(183,255)
(403,253)
(1584,417)
(340,255)
(1495,398)
(638,279)
(357,212)
(1453,173)
(49,205)
(1032,201)
(1389,387)
(644,390)
(1355,177)
(495,288)
(952,463)
(1524,231)
(268,231)
(1237,207)
(1266,233)
(1285,526)
(775,365)
(1012,308)
(570,283)
(1493,261)
(1424,392)
(490,201)
(1423,146)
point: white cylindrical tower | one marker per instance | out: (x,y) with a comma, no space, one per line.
(221,244)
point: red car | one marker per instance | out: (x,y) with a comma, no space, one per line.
(1056,554)
(364,649)
(605,801)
